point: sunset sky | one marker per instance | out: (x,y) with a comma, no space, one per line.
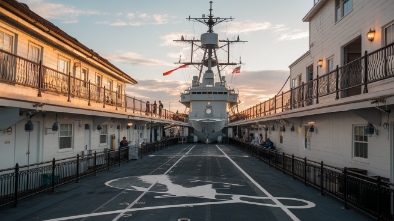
(137,37)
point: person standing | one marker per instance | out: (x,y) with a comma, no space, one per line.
(147,107)
(160,108)
(124,142)
(154,108)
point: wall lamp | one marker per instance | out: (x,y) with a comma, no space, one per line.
(54,128)
(29,126)
(369,129)
(292,128)
(273,128)
(320,63)
(311,129)
(283,128)
(371,35)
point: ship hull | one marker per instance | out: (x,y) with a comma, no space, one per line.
(208,130)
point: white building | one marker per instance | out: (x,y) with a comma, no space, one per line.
(357,36)
(66,90)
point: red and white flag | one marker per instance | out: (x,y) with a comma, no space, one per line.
(237,70)
(169,72)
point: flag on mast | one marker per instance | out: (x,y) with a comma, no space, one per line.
(237,70)
(169,72)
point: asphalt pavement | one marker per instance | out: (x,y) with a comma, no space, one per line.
(185,182)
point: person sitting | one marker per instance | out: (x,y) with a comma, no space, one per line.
(124,142)
(269,144)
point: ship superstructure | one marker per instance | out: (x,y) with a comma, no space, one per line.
(209,99)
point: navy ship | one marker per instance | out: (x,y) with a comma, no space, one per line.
(209,99)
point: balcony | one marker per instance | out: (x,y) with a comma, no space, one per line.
(17,71)
(355,79)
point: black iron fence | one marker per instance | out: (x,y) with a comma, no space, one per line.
(17,70)
(23,181)
(348,80)
(372,195)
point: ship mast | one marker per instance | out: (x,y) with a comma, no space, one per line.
(209,42)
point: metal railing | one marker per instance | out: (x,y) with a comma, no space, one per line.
(350,79)
(371,195)
(17,70)
(21,182)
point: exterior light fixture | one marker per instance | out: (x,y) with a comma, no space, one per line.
(29,126)
(371,35)
(127,127)
(283,128)
(99,127)
(118,127)
(369,129)
(292,128)
(320,63)
(266,128)
(55,126)
(273,128)
(312,129)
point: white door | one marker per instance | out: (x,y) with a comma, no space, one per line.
(87,145)
(25,145)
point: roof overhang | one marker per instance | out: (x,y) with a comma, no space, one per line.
(314,10)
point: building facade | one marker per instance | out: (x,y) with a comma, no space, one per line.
(339,106)
(59,98)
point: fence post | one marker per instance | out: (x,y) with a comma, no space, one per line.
(89,94)
(345,186)
(53,174)
(128,154)
(69,87)
(275,104)
(104,98)
(365,72)
(337,83)
(108,156)
(282,101)
(39,79)
(292,165)
(116,100)
(378,205)
(16,185)
(321,179)
(302,94)
(291,99)
(119,156)
(269,157)
(276,159)
(317,85)
(95,163)
(283,162)
(305,162)
(77,168)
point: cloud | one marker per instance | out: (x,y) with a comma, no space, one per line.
(284,33)
(137,19)
(64,13)
(257,86)
(134,59)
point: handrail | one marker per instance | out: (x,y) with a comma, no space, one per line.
(15,69)
(375,66)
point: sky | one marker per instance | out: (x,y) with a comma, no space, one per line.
(137,37)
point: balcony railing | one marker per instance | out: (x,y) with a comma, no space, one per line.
(348,80)
(20,71)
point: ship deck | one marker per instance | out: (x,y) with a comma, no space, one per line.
(193,181)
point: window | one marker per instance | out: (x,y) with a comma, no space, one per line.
(347,6)
(6,42)
(64,65)
(389,34)
(103,134)
(330,64)
(110,84)
(296,81)
(84,77)
(119,90)
(98,83)
(281,136)
(360,142)
(342,8)
(65,136)
(34,53)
